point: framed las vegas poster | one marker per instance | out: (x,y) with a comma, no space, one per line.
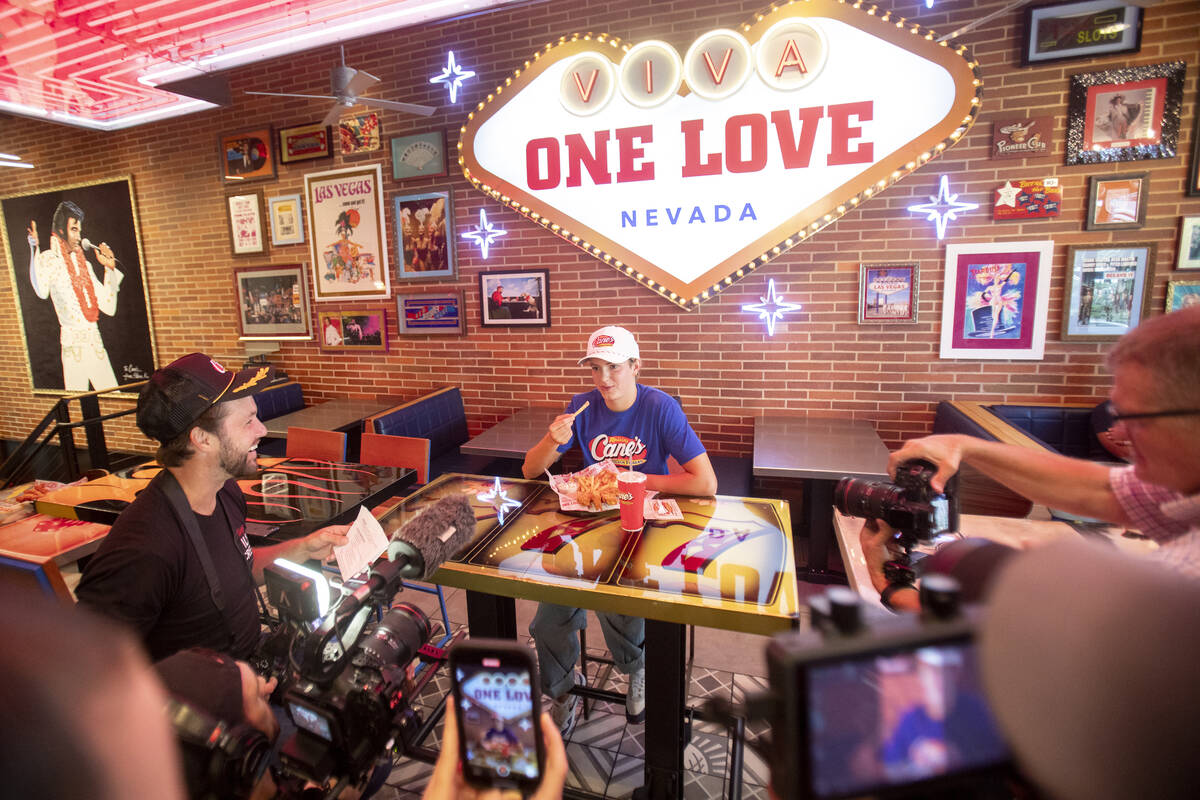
(346,233)
(995,300)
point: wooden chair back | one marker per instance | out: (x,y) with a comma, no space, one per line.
(316,444)
(384,450)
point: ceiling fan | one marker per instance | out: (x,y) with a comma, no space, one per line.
(348,83)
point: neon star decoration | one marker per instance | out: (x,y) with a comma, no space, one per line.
(772,308)
(499,499)
(944,207)
(485,234)
(453,76)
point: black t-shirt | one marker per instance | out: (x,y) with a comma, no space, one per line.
(147,575)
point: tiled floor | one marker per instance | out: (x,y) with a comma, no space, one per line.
(605,752)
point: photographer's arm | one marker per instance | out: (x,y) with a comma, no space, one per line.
(875,538)
(1070,484)
(317,546)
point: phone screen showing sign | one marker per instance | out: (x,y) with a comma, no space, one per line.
(496,713)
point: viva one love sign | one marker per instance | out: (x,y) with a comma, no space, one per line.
(689,171)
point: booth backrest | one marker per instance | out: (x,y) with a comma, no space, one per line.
(979,494)
(1064,429)
(275,401)
(437,416)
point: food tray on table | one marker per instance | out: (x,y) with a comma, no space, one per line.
(593,488)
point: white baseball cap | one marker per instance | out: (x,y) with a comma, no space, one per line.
(612,344)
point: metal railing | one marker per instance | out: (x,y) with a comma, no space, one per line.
(58,424)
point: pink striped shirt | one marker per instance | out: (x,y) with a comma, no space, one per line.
(1167,517)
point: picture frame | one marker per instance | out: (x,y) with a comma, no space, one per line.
(1117,202)
(272,303)
(425,230)
(1182,294)
(1193,187)
(887,293)
(287,219)
(305,142)
(1129,114)
(1189,243)
(515,298)
(1076,30)
(127,348)
(419,155)
(247,155)
(430,313)
(362,330)
(247,234)
(1107,292)
(996,299)
(346,234)
(360,133)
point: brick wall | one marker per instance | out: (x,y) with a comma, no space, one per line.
(718,359)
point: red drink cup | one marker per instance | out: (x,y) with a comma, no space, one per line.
(631,493)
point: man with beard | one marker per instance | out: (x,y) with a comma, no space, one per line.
(177,566)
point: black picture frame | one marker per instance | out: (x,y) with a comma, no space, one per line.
(1052,28)
(524,298)
(1102,127)
(1193,187)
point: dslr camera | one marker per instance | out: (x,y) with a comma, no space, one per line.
(909,504)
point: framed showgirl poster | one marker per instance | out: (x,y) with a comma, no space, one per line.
(995,300)
(887,293)
(1126,114)
(1107,292)
(346,239)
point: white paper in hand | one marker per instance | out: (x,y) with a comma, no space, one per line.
(367,542)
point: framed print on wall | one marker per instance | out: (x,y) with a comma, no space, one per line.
(246,233)
(345,233)
(1193,187)
(115,333)
(440,312)
(360,133)
(996,300)
(1107,292)
(359,329)
(1127,114)
(305,142)
(287,219)
(1063,31)
(421,155)
(1189,243)
(515,298)
(887,293)
(426,248)
(272,302)
(1117,202)
(1182,294)
(247,155)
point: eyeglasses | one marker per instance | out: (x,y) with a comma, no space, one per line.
(1118,417)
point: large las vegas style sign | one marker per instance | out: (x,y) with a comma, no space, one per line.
(687,172)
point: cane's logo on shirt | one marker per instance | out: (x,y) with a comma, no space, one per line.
(244,543)
(619,448)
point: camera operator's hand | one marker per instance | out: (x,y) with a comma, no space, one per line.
(319,545)
(945,451)
(878,542)
(447,782)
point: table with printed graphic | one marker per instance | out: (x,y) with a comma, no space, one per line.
(727,564)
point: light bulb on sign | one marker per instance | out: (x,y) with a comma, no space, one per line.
(942,208)
(453,76)
(772,308)
(485,234)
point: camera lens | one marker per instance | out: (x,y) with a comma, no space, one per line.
(397,637)
(868,499)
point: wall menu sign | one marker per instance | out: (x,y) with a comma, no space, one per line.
(689,171)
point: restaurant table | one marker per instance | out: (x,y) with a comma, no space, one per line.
(726,564)
(285,499)
(1012,531)
(39,537)
(512,437)
(344,414)
(820,452)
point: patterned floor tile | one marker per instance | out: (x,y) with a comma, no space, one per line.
(710,683)
(749,684)
(707,754)
(603,730)
(754,769)
(703,787)
(634,741)
(628,773)
(588,768)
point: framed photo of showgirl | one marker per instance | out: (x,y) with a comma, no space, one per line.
(287,219)
(435,312)
(515,298)
(1189,243)
(247,155)
(1182,294)
(305,143)
(345,234)
(995,300)
(359,329)
(421,155)
(1117,202)
(1065,31)
(247,234)
(1107,292)
(75,253)
(887,293)
(272,302)
(1129,114)
(426,233)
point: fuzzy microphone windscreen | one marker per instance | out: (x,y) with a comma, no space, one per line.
(436,534)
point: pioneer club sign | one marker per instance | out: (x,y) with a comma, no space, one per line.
(688,170)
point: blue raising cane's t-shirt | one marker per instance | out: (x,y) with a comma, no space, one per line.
(653,428)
